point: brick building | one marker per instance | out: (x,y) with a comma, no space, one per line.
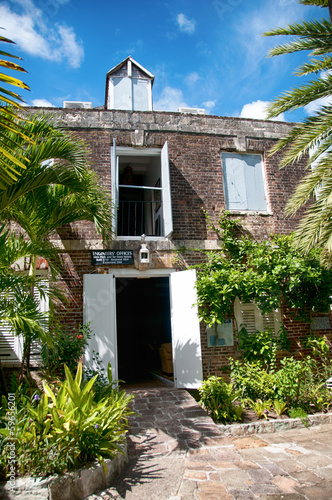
(163,170)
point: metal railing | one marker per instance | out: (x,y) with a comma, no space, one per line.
(139,217)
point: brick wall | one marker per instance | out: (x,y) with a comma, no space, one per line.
(195,144)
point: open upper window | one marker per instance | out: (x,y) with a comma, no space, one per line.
(251,318)
(244,182)
(141,192)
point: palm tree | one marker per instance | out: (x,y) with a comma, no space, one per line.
(51,142)
(57,188)
(311,139)
(11,166)
(19,308)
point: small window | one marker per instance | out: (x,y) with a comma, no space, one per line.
(249,316)
(244,182)
(141,192)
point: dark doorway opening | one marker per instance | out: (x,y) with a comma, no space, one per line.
(143,326)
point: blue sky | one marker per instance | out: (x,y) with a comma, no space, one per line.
(208,54)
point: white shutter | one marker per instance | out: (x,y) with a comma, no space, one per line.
(140,94)
(166,191)
(35,356)
(99,312)
(114,184)
(250,316)
(122,93)
(256,197)
(235,182)
(186,338)
(244,182)
(11,346)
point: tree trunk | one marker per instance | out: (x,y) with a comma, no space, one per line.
(330,9)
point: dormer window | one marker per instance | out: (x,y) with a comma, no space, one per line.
(129,87)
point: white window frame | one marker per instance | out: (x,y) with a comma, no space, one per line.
(116,152)
(242,182)
(258,321)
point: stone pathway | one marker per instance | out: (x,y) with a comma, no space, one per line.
(177,453)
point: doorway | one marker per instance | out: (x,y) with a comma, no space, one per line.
(149,302)
(143,318)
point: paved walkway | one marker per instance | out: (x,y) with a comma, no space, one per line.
(176,452)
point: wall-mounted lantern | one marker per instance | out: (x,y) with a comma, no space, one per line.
(144,254)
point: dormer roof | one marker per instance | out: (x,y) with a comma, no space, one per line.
(121,69)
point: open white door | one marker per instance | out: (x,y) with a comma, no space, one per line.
(166,191)
(99,311)
(186,339)
(114,185)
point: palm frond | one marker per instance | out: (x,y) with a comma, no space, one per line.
(311,35)
(301,96)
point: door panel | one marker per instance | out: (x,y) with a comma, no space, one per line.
(99,311)
(186,339)
(166,187)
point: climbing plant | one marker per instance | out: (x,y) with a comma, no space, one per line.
(267,272)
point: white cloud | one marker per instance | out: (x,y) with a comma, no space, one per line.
(185,24)
(31,34)
(192,78)
(257,110)
(170,100)
(250,27)
(315,106)
(209,105)
(42,103)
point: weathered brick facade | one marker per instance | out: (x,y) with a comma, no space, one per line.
(195,144)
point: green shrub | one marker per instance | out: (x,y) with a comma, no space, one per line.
(279,407)
(67,428)
(294,379)
(261,408)
(218,397)
(259,348)
(67,349)
(104,384)
(251,380)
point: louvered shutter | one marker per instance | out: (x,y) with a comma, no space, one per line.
(11,346)
(250,316)
(35,353)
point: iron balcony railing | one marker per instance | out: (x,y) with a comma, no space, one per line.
(139,217)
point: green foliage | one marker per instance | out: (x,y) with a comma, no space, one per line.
(67,428)
(293,378)
(299,413)
(251,380)
(261,408)
(266,272)
(218,398)
(67,349)
(318,345)
(260,347)
(279,407)
(104,384)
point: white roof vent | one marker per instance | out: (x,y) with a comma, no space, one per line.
(193,111)
(77,105)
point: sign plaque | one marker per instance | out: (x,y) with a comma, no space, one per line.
(111,257)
